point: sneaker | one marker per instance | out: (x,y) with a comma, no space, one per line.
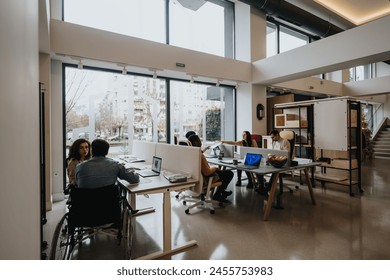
(220,198)
(226,193)
(238,184)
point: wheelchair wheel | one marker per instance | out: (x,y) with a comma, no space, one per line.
(60,247)
(127,233)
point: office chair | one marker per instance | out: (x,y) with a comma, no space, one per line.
(184,142)
(259,139)
(202,197)
(290,136)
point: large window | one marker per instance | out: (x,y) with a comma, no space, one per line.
(207,110)
(121,108)
(205,26)
(290,39)
(115,107)
(138,18)
(272,42)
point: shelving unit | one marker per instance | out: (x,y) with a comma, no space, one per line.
(341,160)
(297,117)
(327,130)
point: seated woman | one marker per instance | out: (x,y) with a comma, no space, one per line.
(78,152)
(246,141)
(225,176)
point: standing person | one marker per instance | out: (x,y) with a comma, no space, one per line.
(78,152)
(279,143)
(101,171)
(246,141)
(225,176)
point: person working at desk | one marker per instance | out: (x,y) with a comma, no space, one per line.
(225,176)
(246,141)
(279,143)
(78,152)
(101,171)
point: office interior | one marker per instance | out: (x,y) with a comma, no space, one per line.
(36,43)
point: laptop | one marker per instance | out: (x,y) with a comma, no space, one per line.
(252,161)
(154,171)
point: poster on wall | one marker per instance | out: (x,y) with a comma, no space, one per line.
(331,124)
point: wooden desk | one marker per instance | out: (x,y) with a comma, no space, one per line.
(275,172)
(159,184)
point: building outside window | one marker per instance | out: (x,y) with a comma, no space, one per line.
(115,107)
(206,109)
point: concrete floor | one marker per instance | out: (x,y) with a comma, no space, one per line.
(338,227)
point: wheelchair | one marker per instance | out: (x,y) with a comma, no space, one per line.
(102,210)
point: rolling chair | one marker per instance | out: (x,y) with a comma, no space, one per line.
(290,136)
(202,196)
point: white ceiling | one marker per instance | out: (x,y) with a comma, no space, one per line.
(345,13)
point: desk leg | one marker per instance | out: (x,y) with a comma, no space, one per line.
(167,236)
(309,185)
(167,224)
(274,186)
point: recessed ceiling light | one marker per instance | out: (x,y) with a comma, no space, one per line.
(357,12)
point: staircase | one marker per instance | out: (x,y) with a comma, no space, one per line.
(381,145)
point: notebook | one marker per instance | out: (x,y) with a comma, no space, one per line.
(252,161)
(154,171)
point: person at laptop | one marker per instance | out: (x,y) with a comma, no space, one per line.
(225,176)
(246,141)
(279,143)
(101,171)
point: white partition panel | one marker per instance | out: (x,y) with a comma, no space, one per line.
(179,158)
(144,150)
(331,124)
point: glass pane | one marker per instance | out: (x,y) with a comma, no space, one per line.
(271,40)
(205,26)
(290,39)
(115,107)
(207,110)
(138,18)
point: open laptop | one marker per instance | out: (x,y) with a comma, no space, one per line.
(252,161)
(154,171)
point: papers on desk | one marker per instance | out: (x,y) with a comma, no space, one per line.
(131,158)
(229,161)
(302,160)
(174,177)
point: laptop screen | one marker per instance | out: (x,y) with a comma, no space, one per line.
(253,159)
(156,164)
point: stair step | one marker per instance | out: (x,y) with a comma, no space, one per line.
(375,156)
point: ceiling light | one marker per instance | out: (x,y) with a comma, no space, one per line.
(192,79)
(124,70)
(154,74)
(218,83)
(357,13)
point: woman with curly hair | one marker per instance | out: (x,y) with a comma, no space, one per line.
(78,152)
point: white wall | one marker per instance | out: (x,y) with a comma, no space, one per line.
(19,130)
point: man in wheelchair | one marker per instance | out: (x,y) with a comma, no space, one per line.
(96,205)
(101,171)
